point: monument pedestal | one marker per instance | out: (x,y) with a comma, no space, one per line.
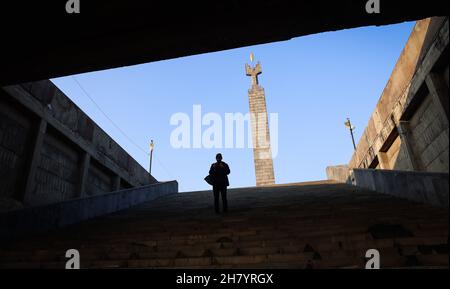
(262,153)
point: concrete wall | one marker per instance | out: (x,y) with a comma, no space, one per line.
(381,124)
(57,172)
(16,135)
(406,142)
(430,137)
(423,187)
(40,219)
(397,157)
(51,151)
(409,128)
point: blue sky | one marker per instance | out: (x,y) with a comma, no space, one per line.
(313,82)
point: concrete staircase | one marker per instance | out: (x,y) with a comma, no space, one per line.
(306,225)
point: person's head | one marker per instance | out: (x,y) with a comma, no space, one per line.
(219,157)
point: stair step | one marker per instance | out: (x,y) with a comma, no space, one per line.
(298,226)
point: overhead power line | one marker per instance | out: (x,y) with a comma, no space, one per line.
(119,129)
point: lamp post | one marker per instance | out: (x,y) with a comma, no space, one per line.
(152,146)
(351,128)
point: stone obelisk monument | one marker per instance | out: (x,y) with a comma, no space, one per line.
(262,153)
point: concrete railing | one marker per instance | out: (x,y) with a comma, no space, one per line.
(46,218)
(424,187)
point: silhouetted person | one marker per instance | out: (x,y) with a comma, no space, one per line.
(219,172)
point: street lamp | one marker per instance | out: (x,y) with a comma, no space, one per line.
(152,146)
(351,128)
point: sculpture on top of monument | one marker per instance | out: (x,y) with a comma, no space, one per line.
(253,72)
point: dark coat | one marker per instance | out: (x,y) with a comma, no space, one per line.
(219,173)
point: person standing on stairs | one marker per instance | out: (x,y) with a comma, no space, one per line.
(219,172)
